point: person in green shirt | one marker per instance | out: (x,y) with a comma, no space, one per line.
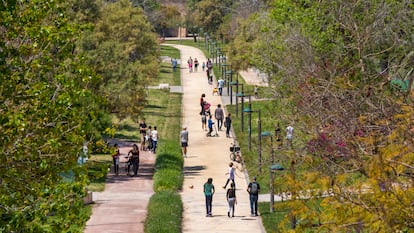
(209,192)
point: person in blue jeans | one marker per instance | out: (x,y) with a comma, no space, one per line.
(210,124)
(253,189)
(155,138)
(208,193)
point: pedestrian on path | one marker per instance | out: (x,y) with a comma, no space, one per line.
(195,64)
(253,189)
(230,176)
(204,121)
(143,132)
(208,193)
(220,84)
(227,124)
(203,66)
(174,64)
(231,199)
(184,141)
(155,138)
(219,115)
(115,159)
(133,156)
(202,102)
(210,124)
(190,64)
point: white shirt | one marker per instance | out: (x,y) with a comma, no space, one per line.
(154,135)
(289,132)
(220,83)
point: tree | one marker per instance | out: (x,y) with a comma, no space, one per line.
(47,111)
(123,50)
(332,61)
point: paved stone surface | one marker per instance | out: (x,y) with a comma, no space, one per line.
(122,207)
(208,157)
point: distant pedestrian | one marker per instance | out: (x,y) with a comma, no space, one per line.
(204,121)
(253,189)
(143,132)
(174,64)
(133,156)
(231,199)
(203,66)
(202,102)
(115,159)
(190,64)
(219,115)
(289,136)
(184,141)
(220,84)
(149,138)
(210,124)
(208,193)
(227,124)
(155,138)
(196,64)
(230,176)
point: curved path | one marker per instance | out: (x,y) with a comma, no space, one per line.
(122,207)
(208,157)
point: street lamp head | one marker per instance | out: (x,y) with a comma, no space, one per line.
(247,110)
(277,167)
(266,134)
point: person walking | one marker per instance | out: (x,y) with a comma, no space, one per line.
(227,124)
(133,155)
(219,115)
(195,64)
(202,102)
(190,64)
(203,66)
(253,189)
(143,132)
(174,64)
(231,199)
(210,124)
(208,193)
(220,84)
(230,174)
(184,141)
(155,138)
(115,159)
(204,121)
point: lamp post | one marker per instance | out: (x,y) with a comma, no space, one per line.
(273,168)
(237,84)
(229,73)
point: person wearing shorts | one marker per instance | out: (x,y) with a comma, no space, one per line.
(184,141)
(143,132)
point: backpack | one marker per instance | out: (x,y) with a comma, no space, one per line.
(254,189)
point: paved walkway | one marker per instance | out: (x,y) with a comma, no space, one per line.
(122,207)
(208,157)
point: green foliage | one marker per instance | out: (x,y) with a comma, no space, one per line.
(47,112)
(164,213)
(123,50)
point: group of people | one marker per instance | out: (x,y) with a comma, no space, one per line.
(253,189)
(149,141)
(194,64)
(207,122)
(149,137)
